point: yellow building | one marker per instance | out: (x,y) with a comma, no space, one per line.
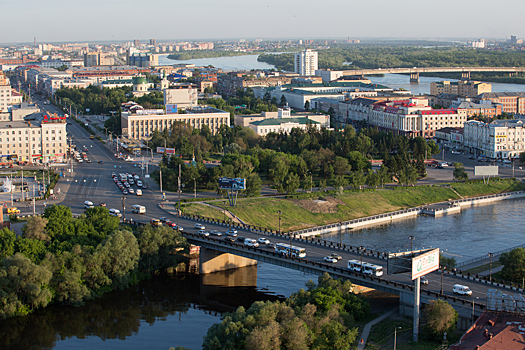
(140,124)
(460,88)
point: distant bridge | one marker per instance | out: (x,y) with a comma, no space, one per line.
(415,71)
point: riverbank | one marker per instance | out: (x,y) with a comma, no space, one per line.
(304,211)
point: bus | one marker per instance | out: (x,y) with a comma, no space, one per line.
(366,268)
(283,248)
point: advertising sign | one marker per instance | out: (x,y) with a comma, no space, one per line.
(425,263)
(149,111)
(228,183)
(171,109)
(161,150)
(486,170)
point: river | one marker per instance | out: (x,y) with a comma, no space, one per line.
(392,80)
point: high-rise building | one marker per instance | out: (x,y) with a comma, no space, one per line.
(305,62)
(136,42)
(153,42)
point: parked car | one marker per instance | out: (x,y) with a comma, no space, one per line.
(330,259)
(131,191)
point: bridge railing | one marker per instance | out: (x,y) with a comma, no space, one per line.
(340,271)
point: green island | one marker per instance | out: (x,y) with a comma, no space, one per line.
(300,211)
(348,57)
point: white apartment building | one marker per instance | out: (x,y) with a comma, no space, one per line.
(305,62)
(182,96)
(328,75)
(38,138)
(140,124)
(501,138)
(8,96)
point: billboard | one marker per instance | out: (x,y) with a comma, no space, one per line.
(489,170)
(161,150)
(171,109)
(425,263)
(229,183)
(149,111)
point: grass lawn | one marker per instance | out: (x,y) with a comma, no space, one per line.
(297,214)
(479,189)
(382,336)
(482,268)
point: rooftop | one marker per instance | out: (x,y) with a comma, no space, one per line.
(280,121)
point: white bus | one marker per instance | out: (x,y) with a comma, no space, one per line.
(283,248)
(366,268)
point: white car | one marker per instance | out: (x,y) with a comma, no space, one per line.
(199,226)
(231,232)
(263,240)
(215,233)
(330,259)
(131,191)
(139,183)
(203,233)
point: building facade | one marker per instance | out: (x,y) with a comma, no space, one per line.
(511,102)
(500,139)
(305,62)
(463,88)
(140,124)
(183,96)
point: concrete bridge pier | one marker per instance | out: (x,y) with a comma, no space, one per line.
(414,77)
(465,75)
(215,261)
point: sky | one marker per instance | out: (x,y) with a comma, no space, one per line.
(177,20)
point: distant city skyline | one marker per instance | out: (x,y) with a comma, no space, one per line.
(125,20)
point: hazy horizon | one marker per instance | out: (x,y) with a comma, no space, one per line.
(125,20)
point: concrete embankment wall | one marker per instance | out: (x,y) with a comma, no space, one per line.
(448,208)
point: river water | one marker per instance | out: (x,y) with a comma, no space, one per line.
(392,80)
(178,311)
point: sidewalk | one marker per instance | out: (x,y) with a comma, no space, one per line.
(368,327)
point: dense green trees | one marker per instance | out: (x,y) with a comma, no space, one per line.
(440,317)
(321,317)
(513,265)
(67,260)
(361,56)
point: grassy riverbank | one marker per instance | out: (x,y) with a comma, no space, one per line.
(298,213)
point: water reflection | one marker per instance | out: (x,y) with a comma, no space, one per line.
(120,315)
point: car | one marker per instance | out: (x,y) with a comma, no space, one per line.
(164,219)
(155,222)
(248,242)
(113,174)
(102,204)
(241,239)
(423,280)
(229,239)
(131,191)
(127,185)
(203,233)
(215,233)
(330,259)
(125,192)
(336,256)
(180,228)
(199,226)
(131,182)
(144,186)
(263,240)
(88,160)
(139,183)
(171,224)
(100,162)
(231,233)
(270,245)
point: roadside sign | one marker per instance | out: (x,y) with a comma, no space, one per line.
(425,263)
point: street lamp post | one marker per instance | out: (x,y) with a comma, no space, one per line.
(443,268)
(124,208)
(473,309)
(361,249)
(490,266)
(194,188)
(395,337)
(279,212)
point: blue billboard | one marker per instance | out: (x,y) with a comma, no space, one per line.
(171,109)
(229,183)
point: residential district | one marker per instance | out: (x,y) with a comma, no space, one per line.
(464,116)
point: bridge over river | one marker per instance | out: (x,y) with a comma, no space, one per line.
(415,71)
